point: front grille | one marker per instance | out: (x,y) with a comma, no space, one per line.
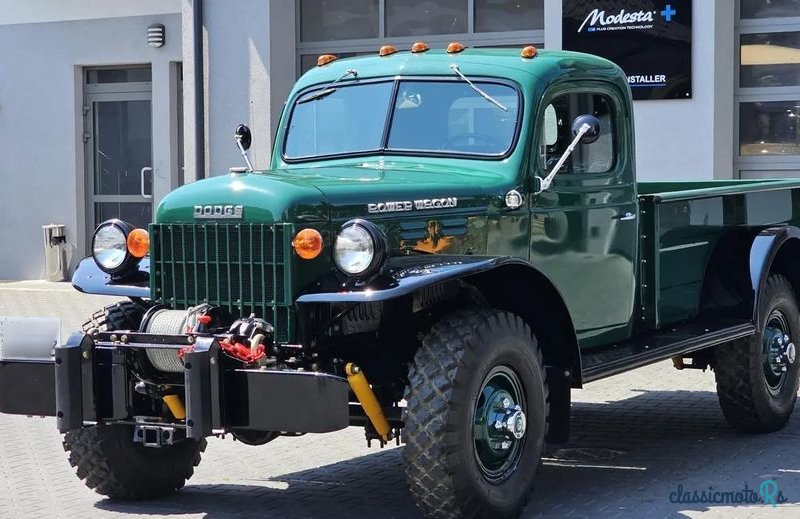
(241,267)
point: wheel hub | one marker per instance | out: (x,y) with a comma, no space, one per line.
(499,424)
(779,351)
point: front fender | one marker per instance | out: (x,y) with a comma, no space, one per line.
(88,278)
(405,275)
(763,252)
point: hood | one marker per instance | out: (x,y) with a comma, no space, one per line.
(337,193)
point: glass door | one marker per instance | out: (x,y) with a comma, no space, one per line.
(118,138)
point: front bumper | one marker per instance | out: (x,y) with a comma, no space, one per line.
(93,383)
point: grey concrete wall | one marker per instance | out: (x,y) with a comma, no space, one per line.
(249,71)
(41,146)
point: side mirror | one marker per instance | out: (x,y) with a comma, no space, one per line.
(243,141)
(594,128)
(244,137)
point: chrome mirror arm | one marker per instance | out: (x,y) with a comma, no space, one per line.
(244,152)
(546,182)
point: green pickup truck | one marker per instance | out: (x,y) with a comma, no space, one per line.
(446,243)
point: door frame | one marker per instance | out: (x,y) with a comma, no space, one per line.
(106,92)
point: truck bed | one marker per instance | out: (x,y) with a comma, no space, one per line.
(682,222)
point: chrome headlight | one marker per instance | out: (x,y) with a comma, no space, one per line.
(110,246)
(359,249)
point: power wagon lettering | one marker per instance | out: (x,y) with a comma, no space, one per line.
(425,203)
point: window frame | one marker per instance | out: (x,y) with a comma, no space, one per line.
(384,150)
(555,92)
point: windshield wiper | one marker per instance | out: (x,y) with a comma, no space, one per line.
(478,90)
(328,90)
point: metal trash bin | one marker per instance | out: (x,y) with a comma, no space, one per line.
(55,252)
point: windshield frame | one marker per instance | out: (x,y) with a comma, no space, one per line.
(384,149)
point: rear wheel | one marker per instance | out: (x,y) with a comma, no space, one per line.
(476,414)
(107,458)
(757,377)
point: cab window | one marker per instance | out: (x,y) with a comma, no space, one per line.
(556,134)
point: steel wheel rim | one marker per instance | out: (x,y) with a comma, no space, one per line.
(775,341)
(497,449)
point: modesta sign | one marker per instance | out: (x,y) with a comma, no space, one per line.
(650,40)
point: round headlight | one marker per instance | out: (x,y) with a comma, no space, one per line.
(110,246)
(359,248)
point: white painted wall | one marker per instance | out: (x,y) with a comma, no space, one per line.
(685,139)
(38,11)
(41,124)
(250,69)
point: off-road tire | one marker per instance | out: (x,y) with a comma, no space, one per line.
(106,457)
(124,315)
(441,469)
(742,389)
(113,465)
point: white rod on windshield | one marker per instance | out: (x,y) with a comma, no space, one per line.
(478,90)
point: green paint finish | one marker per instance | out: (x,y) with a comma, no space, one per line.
(626,257)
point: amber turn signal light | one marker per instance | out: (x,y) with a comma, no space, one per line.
(325,59)
(307,243)
(419,46)
(138,243)
(387,50)
(528,52)
(454,47)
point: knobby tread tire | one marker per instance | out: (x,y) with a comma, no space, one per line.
(106,457)
(739,374)
(429,434)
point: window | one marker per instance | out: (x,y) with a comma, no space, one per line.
(357,27)
(421,17)
(440,117)
(556,134)
(451,117)
(322,20)
(508,15)
(349,120)
(770,59)
(767,94)
(770,8)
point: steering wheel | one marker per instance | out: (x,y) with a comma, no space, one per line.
(486,138)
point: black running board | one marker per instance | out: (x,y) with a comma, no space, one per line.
(646,349)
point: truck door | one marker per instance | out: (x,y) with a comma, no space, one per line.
(584,228)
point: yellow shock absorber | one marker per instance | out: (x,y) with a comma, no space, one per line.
(175,406)
(366,397)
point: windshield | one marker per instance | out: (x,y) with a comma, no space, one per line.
(438,117)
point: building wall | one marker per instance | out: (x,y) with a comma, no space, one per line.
(249,71)
(41,124)
(685,139)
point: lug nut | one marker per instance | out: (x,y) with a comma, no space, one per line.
(506,403)
(499,425)
(505,445)
(113,337)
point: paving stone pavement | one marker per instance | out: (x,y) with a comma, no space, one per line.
(636,439)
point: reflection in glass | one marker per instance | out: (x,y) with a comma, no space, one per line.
(508,15)
(118,75)
(422,17)
(770,8)
(769,128)
(122,146)
(135,213)
(770,59)
(322,20)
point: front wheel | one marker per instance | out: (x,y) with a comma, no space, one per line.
(757,377)
(109,461)
(476,415)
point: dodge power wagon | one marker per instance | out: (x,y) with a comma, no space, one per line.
(445,244)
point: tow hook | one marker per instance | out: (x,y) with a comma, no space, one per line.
(155,436)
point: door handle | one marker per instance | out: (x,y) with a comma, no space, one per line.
(141,181)
(624,217)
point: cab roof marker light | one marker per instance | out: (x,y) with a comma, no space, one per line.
(454,47)
(325,59)
(419,46)
(387,50)
(529,52)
